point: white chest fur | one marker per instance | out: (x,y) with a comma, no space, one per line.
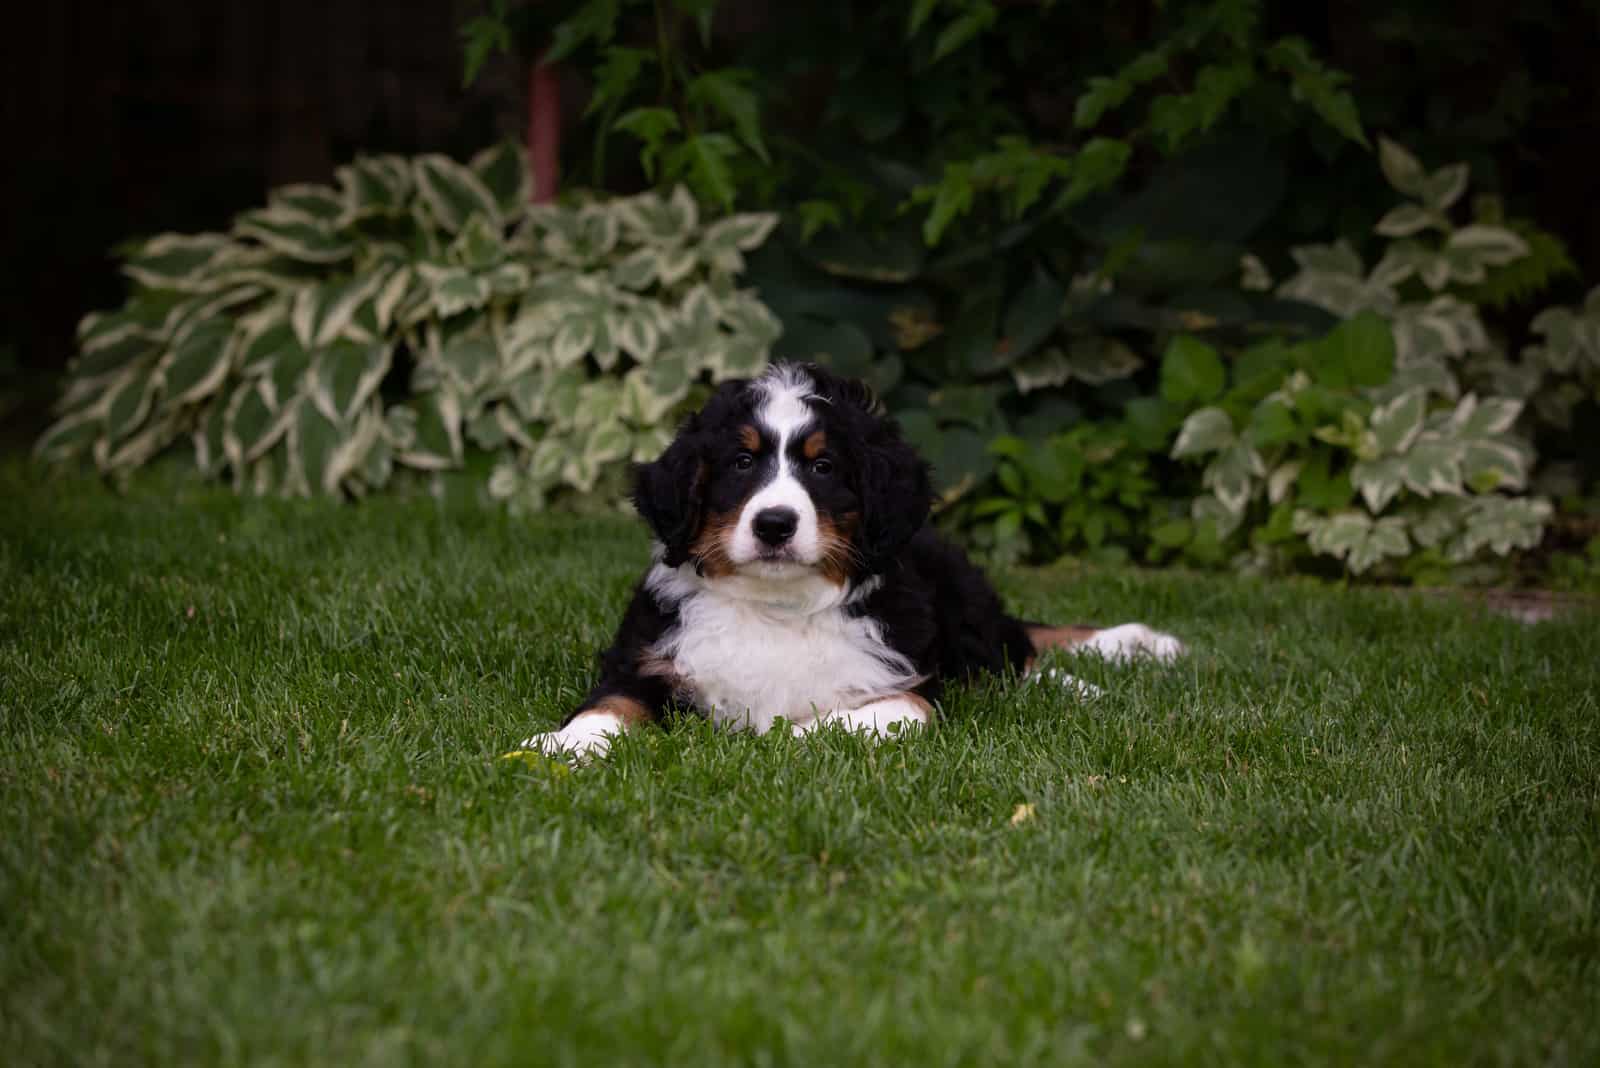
(750,651)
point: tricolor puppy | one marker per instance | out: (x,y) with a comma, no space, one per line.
(796,577)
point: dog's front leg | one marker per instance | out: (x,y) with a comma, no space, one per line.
(881,718)
(589,730)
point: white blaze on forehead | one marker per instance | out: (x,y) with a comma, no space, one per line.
(783,411)
(783,407)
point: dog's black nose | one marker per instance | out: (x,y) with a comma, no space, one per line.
(776,525)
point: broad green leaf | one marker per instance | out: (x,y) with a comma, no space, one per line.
(572,342)
(1033,315)
(1400,167)
(1502,524)
(129,403)
(471,361)
(637,270)
(250,425)
(1494,246)
(1205,431)
(503,170)
(176,261)
(197,367)
(294,237)
(1191,372)
(452,192)
(435,443)
(725,239)
(1379,481)
(315,203)
(373,186)
(453,289)
(1043,369)
(1493,415)
(1273,423)
(68,437)
(1358,352)
(606,443)
(1396,424)
(1444,186)
(1234,475)
(345,376)
(638,334)
(1409,219)
(314,439)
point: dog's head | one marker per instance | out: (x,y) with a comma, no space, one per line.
(788,475)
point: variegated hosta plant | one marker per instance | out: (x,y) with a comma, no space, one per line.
(1329,445)
(416,309)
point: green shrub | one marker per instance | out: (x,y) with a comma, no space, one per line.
(418,309)
(1391,444)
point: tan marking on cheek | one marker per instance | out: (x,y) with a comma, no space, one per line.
(1044,638)
(837,556)
(750,437)
(814,445)
(630,712)
(711,549)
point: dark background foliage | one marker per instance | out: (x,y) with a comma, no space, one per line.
(132,118)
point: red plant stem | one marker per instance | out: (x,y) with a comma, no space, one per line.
(544,130)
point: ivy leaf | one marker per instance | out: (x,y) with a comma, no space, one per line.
(952,197)
(702,161)
(920,13)
(594,20)
(481,37)
(615,75)
(650,125)
(726,92)
(1107,94)
(1097,166)
(974,21)
(1318,85)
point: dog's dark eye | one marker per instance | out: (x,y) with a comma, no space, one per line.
(822,466)
(744,461)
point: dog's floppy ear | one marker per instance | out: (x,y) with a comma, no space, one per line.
(896,494)
(670,493)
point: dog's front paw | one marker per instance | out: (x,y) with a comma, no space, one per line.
(589,735)
(1086,691)
(1131,640)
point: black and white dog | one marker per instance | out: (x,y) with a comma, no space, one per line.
(796,577)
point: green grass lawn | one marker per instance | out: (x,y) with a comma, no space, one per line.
(252,813)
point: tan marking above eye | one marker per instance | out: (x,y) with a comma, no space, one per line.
(750,437)
(814,445)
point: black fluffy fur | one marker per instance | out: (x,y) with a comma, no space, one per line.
(935,605)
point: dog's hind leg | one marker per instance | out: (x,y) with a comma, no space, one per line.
(1121,643)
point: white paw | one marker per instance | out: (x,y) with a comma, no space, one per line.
(1130,640)
(881,719)
(588,735)
(1085,690)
